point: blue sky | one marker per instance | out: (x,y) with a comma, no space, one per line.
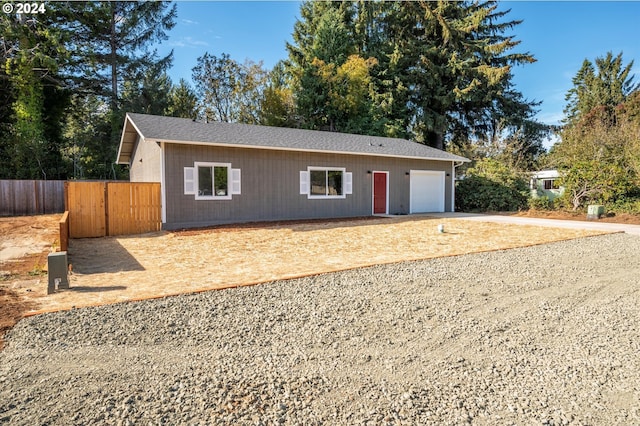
(560,35)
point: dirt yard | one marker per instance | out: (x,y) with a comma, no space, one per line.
(25,243)
(118,269)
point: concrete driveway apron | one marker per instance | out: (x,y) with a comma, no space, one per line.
(553,223)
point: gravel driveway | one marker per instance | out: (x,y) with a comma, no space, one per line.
(540,335)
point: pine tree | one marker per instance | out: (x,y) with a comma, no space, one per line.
(606,85)
(598,151)
(149,94)
(461,66)
(182,101)
(442,69)
(332,82)
(109,42)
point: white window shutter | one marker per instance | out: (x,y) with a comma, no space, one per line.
(348,183)
(304,182)
(235,181)
(189,181)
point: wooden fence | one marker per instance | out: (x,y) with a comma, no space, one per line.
(31,197)
(64,231)
(98,209)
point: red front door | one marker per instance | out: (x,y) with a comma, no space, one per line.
(379,193)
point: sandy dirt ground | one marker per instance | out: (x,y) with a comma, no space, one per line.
(119,269)
(25,243)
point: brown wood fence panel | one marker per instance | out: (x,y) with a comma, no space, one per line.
(97,209)
(30,197)
(86,205)
(64,231)
(133,208)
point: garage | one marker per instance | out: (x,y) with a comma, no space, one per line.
(426,189)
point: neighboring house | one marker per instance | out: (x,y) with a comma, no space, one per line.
(543,183)
(215,173)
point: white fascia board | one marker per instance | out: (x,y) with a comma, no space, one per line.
(127,120)
(321,151)
(124,132)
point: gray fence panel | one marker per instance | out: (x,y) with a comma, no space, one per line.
(30,197)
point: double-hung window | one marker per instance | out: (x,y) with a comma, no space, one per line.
(325,182)
(211,181)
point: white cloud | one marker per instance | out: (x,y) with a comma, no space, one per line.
(189,22)
(551,117)
(188,42)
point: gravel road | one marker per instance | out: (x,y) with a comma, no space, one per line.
(541,335)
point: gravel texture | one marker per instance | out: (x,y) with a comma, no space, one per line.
(540,335)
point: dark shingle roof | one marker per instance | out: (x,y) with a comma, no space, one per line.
(186,131)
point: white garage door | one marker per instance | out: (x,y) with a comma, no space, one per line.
(426,191)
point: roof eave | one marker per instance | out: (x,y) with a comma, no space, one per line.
(124,156)
(273,148)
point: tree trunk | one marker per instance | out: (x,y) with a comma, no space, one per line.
(434,139)
(114,59)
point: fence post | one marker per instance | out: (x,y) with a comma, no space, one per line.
(106,209)
(64,231)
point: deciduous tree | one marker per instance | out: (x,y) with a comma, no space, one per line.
(227,90)
(35,99)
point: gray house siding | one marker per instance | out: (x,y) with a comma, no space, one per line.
(145,162)
(270,181)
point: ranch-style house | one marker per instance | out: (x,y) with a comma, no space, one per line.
(217,173)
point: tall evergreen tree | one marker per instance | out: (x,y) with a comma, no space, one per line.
(182,101)
(607,85)
(462,66)
(598,151)
(110,44)
(149,94)
(111,39)
(443,67)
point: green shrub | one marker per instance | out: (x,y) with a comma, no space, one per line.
(541,203)
(476,193)
(491,186)
(628,205)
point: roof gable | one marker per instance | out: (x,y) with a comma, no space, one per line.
(152,128)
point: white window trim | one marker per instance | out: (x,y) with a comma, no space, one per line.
(197,184)
(327,169)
